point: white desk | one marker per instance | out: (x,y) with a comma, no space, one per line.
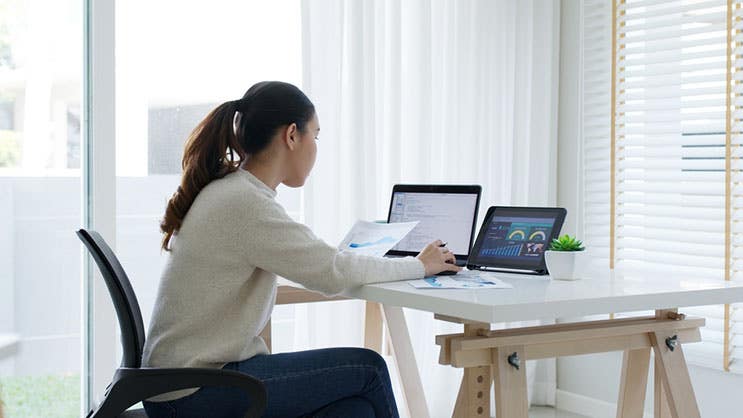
(534,297)
(489,356)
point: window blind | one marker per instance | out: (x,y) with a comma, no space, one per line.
(673,161)
(733,322)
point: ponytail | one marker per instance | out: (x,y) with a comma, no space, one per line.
(209,155)
(217,147)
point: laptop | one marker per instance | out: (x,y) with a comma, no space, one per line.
(448,213)
(514,239)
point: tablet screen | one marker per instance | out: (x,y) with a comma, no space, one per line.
(516,237)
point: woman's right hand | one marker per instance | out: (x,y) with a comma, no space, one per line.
(436,259)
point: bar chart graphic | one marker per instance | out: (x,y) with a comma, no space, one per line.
(384,240)
(502,251)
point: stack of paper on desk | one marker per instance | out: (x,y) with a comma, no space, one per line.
(466,279)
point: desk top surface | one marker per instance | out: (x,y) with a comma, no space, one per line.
(534,297)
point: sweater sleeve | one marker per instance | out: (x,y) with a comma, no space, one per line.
(274,242)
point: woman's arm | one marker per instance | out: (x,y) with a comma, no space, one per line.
(274,242)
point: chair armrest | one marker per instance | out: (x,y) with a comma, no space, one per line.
(132,385)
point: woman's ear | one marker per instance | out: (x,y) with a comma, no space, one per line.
(291,136)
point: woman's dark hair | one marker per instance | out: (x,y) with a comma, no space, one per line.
(230,133)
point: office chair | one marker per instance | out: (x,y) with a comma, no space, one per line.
(132,383)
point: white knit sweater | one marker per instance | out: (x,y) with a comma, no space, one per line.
(218,286)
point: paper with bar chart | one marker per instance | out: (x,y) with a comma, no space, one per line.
(375,239)
(466,279)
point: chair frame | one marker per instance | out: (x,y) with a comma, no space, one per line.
(132,383)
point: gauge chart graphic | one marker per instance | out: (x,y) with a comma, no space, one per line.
(538,235)
(517,234)
(519,231)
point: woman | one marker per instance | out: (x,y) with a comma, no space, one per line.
(228,239)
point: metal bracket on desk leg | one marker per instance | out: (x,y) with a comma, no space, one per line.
(675,379)
(514,360)
(676,316)
(672,342)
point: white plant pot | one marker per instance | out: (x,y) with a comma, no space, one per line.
(562,264)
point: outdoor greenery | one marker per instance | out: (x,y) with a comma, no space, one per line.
(41,396)
(10,148)
(566,243)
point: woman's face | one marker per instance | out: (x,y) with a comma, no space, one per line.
(302,158)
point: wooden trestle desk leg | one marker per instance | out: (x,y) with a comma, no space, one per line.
(473,399)
(402,352)
(635,366)
(660,409)
(373,327)
(660,401)
(674,375)
(266,334)
(401,349)
(511,400)
(506,351)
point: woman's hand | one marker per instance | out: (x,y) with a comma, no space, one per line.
(436,258)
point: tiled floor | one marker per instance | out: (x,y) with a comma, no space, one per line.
(542,412)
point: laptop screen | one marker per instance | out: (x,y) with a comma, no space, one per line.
(449,217)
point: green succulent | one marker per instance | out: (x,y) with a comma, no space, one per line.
(566,243)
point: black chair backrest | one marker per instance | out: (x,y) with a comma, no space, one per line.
(122,295)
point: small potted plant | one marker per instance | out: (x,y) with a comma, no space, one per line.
(561,255)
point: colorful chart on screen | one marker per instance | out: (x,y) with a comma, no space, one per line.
(516,237)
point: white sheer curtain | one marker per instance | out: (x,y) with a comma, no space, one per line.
(426,92)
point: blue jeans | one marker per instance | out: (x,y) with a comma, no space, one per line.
(334,382)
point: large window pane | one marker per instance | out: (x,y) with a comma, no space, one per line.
(175,63)
(40,194)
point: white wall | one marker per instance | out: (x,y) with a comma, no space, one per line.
(596,377)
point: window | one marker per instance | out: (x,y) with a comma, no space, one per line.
(41,72)
(671,155)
